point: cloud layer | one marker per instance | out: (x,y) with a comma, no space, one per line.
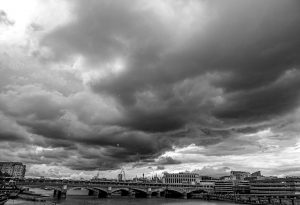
(136,83)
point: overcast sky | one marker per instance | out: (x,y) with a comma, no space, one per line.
(151,86)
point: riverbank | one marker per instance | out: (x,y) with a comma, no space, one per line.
(35,194)
(202,200)
(87,200)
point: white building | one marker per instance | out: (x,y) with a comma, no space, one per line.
(181,178)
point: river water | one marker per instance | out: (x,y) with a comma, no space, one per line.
(79,197)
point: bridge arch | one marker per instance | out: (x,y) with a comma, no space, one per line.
(101,189)
(175,190)
(174,193)
(79,190)
(198,193)
(124,191)
(157,192)
(102,192)
(140,192)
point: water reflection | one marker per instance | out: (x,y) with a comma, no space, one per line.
(80,197)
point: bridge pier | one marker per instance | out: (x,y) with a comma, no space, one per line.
(59,194)
(158,194)
(109,192)
(94,192)
(184,195)
(55,193)
(132,194)
(149,192)
(91,192)
(63,195)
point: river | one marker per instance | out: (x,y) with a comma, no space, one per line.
(79,197)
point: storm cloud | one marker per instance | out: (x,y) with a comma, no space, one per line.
(122,82)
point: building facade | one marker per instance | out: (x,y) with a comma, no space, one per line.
(224,187)
(181,178)
(209,186)
(238,175)
(283,186)
(241,187)
(13,169)
(255,176)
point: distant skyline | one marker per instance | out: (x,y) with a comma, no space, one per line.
(150,86)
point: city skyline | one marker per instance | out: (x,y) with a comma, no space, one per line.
(150,86)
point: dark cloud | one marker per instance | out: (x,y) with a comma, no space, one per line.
(160,167)
(199,72)
(213,171)
(10,131)
(160,163)
(114,29)
(117,145)
(270,101)
(246,45)
(167,161)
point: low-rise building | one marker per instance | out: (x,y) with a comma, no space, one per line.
(13,169)
(241,187)
(239,175)
(283,186)
(255,176)
(225,178)
(224,187)
(208,185)
(181,178)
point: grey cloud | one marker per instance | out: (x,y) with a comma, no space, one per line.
(51,122)
(226,74)
(231,70)
(167,161)
(118,146)
(270,101)
(244,59)
(4,19)
(114,29)
(10,131)
(215,171)
(160,167)
(36,27)
(160,162)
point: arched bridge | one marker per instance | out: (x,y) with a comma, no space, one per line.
(109,188)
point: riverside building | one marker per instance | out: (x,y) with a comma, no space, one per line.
(224,187)
(238,175)
(241,187)
(181,178)
(13,169)
(279,186)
